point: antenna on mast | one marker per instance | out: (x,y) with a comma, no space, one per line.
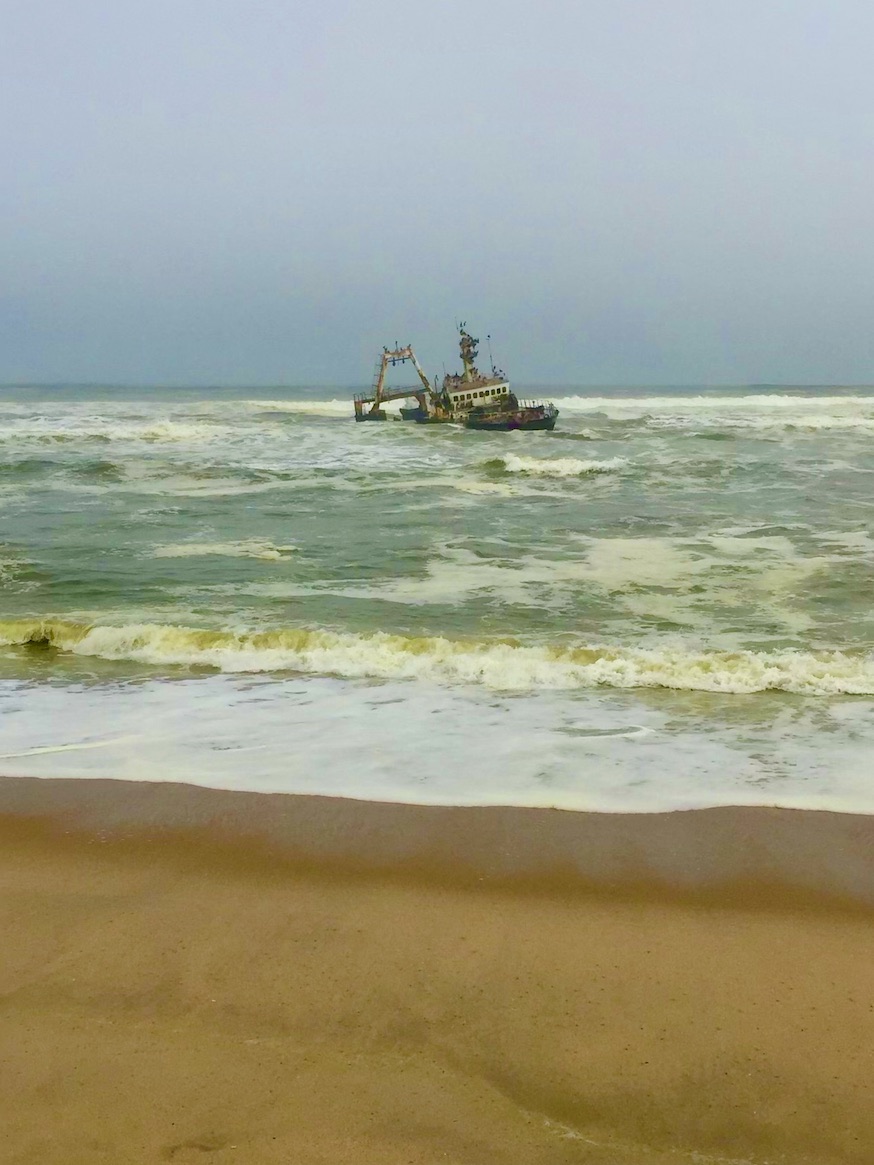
(491,357)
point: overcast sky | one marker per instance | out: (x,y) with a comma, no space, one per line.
(266,191)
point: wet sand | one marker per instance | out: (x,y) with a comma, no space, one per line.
(200,976)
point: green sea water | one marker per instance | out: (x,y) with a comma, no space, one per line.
(667,601)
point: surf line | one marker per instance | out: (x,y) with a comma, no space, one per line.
(69,747)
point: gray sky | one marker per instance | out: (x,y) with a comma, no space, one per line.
(638,191)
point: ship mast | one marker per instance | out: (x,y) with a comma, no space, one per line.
(469,349)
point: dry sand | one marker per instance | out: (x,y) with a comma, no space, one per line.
(195,976)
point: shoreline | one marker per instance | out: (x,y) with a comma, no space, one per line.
(193,975)
(751,856)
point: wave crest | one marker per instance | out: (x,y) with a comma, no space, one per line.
(554,466)
(501,665)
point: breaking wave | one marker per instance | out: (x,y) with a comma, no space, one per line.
(754,411)
(315,408)
(503,665)
(809,422)
(62,430)
(751,402)
(554,466)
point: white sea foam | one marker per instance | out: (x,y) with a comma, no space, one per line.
(583,751)
(857,543)
(751,402)
(675,580)
(248,548)
(10,569)
(315,408)
(497,488)
(754,411)
(810,422)
(175,485)
(499,665)
(63,428)
(558,466)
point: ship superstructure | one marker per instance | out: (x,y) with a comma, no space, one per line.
(470,389)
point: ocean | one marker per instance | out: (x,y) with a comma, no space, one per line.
(666,603)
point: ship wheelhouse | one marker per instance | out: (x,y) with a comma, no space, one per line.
(464,395)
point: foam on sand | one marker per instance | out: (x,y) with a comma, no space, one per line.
(501,665)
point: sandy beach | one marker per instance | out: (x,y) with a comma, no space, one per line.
(190,975)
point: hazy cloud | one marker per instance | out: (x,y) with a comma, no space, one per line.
(660,191)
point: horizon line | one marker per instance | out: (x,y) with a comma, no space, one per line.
(206,386)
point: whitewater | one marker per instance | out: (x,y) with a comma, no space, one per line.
(664,603)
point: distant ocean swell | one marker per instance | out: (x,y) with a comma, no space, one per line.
(501,665)
(748,412)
